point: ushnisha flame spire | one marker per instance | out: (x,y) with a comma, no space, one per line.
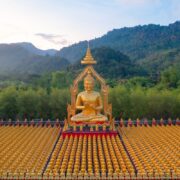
(88,59)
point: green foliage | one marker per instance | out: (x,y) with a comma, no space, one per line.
(171,77)
(162,103)
(61,79)
(27,103)
(120,99)
(33,103)
(160,61)
(57,79)
(8,103)
(138,97)
(134,102)
(139,81)
(138,102)
(58,102)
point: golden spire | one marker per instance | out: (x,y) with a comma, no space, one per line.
(88,59)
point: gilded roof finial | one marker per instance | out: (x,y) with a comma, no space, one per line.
(88,59)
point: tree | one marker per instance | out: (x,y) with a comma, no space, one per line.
(58,102)
(28,103)
(61,79)
(171,77)
(8,103)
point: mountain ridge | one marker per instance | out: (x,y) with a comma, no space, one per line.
(33,49)
(16,59)
(151,47)
(136,42)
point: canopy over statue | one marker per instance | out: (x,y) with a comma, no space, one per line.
(93,106)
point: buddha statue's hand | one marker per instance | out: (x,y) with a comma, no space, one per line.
(86,105)
(93,106)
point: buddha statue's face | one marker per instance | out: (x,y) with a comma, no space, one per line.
(88,85)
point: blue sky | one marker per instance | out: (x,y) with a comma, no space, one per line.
(58,23)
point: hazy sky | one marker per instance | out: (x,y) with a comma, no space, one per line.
(58,23)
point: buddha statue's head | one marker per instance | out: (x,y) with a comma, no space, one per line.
(88,83)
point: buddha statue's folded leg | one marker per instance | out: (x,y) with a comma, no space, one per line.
(82,117)
(99,117)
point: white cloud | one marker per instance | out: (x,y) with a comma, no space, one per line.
(54,38)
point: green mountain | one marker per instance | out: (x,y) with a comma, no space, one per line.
(31,48)
(17,60)
(121,53)
(111,64)
(137,42)
(161,60)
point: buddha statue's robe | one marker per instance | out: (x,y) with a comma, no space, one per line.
(91,105)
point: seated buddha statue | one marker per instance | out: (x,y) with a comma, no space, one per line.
(90,103)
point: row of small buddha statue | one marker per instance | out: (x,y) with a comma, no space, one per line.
(95,127)
(147,150)
(145,122)
(32,122)
(88,155)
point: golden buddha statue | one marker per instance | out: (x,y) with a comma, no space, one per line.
(90,103)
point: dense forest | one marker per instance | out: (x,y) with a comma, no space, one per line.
(137,97)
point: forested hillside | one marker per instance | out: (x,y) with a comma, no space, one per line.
(18,60)
(137,42)
(136,51)
(111,64)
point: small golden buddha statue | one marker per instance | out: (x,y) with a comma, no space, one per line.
(90,103)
